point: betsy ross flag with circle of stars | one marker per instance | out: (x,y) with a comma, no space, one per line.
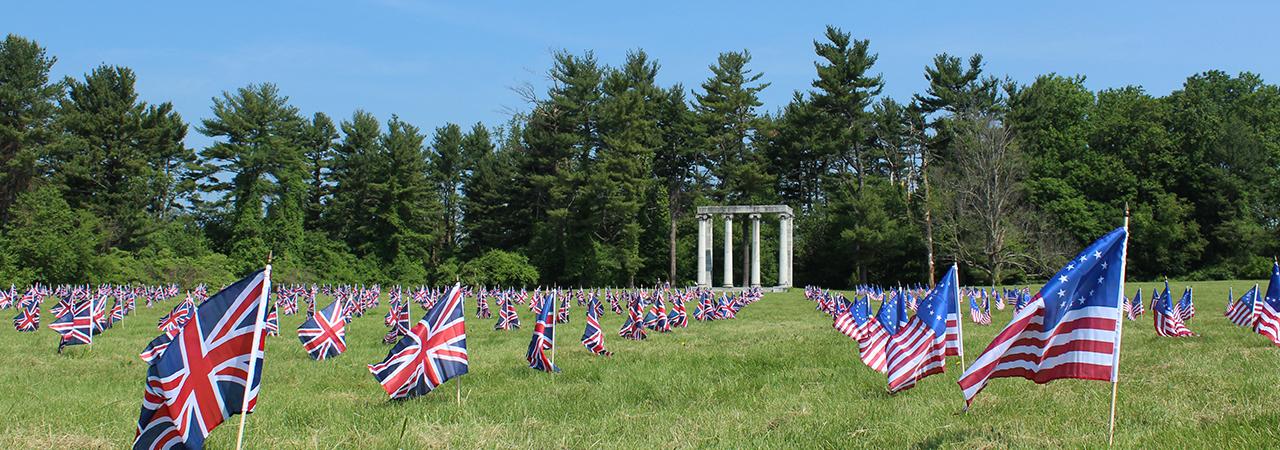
(1070,329)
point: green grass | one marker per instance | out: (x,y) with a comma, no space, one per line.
(779,376)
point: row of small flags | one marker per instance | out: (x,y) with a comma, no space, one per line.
(207,364)
(1069,329)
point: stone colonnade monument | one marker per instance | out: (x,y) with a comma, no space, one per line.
(753,212)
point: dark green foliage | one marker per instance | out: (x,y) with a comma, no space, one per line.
(596,182)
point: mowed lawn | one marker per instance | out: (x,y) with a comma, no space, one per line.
(777,377)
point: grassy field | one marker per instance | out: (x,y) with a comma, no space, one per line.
(779,376)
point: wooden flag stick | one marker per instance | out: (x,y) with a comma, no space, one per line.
(1115,367)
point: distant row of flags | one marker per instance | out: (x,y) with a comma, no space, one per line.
(206,364)
(1069,329)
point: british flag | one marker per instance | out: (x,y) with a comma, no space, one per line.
(211,370)
(65,304)
(1245,312)
(177,317)
(482,306)
(28,318)
(156,347)
(1168,321)
(507,317)
(75,326)
(1269,316)
(324,335)
(678,318)
(1070,329)
(272,326)
(920,348)
(633,328)
(593,337)
(543,340)
(434,351)
(117,311)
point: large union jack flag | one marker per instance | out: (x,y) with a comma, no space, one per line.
(211,370)
(324,334)
(1070,329)
(434,351)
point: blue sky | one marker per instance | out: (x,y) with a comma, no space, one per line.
(438,62)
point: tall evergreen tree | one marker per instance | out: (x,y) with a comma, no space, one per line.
(115,152)
(260,145)
(318,142)
(28,102)
(449,167)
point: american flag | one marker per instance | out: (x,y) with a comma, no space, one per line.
(324,335)
(1133,308)
(1185,307)
(1167,320)
(920,348)
(211,370)
(1269,316)
(1245,312)
(844,322)
(870,334)
(434,351)
(544,333)
(1070,329)
(593,337)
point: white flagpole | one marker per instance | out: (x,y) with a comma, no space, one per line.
(1115,363)
(555,304)
(959,316)
(253,358)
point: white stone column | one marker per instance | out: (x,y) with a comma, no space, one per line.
(784,250)
(728,250)
(704,252)
(755,250)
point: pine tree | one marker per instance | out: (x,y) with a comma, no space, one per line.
(260,145)
(449,168)
(27,107)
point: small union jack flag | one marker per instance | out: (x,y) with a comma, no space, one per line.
(434,351)
(75,326)
(28,318)
(544,333)
(324,335)
(593,337)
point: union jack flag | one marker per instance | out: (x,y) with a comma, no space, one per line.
(324,334)
(156,347)
(544,333)
(920,348)
(117,311)
(1245,312)
(593,337)
(75,326)
(211,370)
(1168,320)
(177,317)
(434,351)
(28,318)
(1070,329)
(64,305)
(1269,316)
(633,328)
(507,317)
(272,326)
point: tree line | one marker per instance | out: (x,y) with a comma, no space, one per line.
(596,182)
